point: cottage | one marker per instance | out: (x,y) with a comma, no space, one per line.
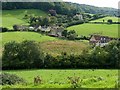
(56,31)
(100,40)
(42,28)
(78,16)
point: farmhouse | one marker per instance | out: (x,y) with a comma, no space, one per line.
(100,40)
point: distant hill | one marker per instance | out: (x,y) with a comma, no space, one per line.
(96,10)
(60,7)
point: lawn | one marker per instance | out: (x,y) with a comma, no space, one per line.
(21,36)
(12,17)
(58,78)
(88,29)
(114,19)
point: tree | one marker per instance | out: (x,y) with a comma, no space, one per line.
(4,29)
(64,33)
(110,21)
(72,35)
(46,21)
(103,20)
(24,55)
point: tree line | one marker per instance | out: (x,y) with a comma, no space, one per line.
(64,8)
(28,55)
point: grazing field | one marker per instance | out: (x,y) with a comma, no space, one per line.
(104,29)
(58,78)
(114,19)
(59,46)
(11,17)
(51,45)
(21,36)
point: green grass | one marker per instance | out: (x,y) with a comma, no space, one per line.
(104,29)
(58,78)
(12,17)
(21,36)
(114,19)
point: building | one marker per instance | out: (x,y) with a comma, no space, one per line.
(101,41)
(56,31)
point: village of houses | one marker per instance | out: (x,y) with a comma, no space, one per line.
(56,31)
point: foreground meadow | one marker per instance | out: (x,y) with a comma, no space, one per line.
(59,78)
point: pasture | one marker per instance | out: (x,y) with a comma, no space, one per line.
(114,19)
(51,45)
(58,78)
(12,17)
(21,36)
(88,29)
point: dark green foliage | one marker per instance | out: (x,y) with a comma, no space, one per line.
(3,29)
(27,55)
(110,21)
(64,8)
(71,35)
(22,55)
(64,33)
(11,79)
(74,81)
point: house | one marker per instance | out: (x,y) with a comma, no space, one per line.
(42,28)
(56,31)
(31,28)
(78,16)
(98,40)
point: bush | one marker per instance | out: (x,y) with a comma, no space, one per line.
(22,55)
(3,29)
(110,21)
(11,79)
(74,81)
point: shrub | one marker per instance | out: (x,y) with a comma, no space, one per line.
(110,21)
(74,81)
(3,29)
(11,79)
(22,55)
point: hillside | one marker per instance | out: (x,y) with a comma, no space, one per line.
(114,19)
(96,10)
(104,29)
(21,36)
(60,7)
(11,17)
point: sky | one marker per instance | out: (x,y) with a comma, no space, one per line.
(99,3)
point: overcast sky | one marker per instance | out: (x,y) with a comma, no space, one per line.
(99,3)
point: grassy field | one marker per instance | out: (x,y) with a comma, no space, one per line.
(58,78)
(51,45)
(57,47)
(104,29)
(12,17)
(114,19)
(21,36)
